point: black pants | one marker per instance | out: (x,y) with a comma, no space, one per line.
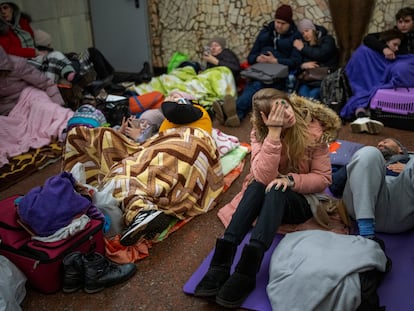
(101,65)
(271,210)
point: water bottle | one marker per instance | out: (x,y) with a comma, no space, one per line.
(290,83)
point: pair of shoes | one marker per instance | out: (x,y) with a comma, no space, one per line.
(93,272)
(366,124)
(230,110)
(218,112)
(147,224)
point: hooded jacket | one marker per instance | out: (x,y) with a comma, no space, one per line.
(315,173)
(8,38)
(21,76)
(373,41)
(325,53)
(280,45)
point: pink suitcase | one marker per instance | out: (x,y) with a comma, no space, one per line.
(41,262)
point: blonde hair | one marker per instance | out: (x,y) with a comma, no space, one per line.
(295,139)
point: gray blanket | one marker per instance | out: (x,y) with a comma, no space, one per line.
(318,270)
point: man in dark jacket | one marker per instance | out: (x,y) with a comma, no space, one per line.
(405,24)
(273,45)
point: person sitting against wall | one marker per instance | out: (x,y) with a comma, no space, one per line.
(384,60)
(18,38)
(405,25)
(273,44)
(318,49)
(217,54)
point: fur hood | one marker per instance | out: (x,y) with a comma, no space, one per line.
(327,117)
(4,25)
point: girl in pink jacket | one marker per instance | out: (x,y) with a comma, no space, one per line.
(290,165)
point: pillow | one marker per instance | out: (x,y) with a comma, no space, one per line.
(342,151)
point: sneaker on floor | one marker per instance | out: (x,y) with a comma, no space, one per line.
(218,112)
(366,124)
(147,224)
(230,110)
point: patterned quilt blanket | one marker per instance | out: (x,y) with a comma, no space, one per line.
(177,171)
(207,86)
(25,164)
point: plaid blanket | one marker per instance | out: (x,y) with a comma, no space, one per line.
(177,171)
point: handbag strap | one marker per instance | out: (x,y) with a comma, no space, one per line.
(136,100)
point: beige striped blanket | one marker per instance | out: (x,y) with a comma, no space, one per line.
(177,171)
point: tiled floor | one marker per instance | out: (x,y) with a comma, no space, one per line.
(158,282)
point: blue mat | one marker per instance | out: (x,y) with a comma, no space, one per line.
(396,292)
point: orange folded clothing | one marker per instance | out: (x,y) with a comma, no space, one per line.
(140,103)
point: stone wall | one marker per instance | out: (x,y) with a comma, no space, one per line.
(186,26)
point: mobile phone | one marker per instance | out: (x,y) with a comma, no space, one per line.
(207,50)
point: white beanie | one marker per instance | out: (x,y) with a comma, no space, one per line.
(42,38)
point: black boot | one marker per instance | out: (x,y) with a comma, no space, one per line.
(100,272)
(73,272)
(219,270)
(145,73)
(243,281)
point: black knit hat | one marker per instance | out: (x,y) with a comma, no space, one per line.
(284,12)
(180,113)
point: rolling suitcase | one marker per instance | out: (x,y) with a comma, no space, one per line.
(41,262)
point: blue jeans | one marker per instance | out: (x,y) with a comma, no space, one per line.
(244,101)
(309,91)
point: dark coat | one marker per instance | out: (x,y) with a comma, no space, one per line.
(325,53)
(281,46)
(374,42)
(228,59)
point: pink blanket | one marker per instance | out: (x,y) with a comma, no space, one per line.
(31,124)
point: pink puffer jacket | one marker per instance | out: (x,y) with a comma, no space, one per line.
(268,157)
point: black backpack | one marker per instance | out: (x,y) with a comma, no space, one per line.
(336,90)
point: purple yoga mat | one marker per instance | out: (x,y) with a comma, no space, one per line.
(396,292)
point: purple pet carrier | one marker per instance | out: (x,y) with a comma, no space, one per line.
(394,107)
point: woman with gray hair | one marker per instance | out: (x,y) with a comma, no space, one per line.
(217,54)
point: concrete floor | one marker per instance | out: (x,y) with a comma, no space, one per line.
(159,280)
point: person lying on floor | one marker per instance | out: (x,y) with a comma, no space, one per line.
(395,156)
(290,165)
(142,128)
(31,109)
(377,188)
(158,181)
